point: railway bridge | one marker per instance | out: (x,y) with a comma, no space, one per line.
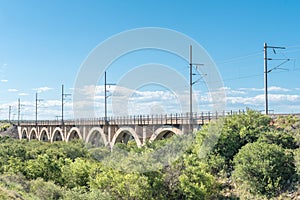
(98,131)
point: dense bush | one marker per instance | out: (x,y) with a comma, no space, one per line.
(45,190)
(81,194)
(77,173)
(227,137)
(236,131)
(297,160)
(263,168)
(285,140)
(122,185)
(4,126)
(195,181)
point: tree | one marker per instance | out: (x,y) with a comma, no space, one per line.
(195,181)
(77,173)
(264,169)
(283,139)
(235,132)
(45,190)
(241,129)
(44,167)
(121,185)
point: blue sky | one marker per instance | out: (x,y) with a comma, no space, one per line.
(44,43)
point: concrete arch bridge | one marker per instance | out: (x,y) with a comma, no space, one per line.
(100,132)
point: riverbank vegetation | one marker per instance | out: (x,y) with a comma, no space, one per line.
(252,157)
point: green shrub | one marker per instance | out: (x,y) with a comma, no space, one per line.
(238,130)
(297,160)
(285,140)
(82,194)
(77,173)
(15,182)
(262,168)
(195,182)
(4,127)
(45,190)
(121,185)
(44,167)
(6,194)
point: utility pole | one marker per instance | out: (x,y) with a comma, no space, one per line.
(62,104)
(19,107)
(36,100)
(36,107)
(105,97)
(63,95)
(266,78)
(19,110)
(9,113)
(266,71)
(191,89)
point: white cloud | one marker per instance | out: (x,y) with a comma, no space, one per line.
(251,89)
(144,102)
(23,94)
(230,91)
(255,101)
(4,81)
(278,89)
(12,90)
(271,89)
(283,99)
(51,103)
(42,89)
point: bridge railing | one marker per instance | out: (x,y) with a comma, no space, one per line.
(170,119)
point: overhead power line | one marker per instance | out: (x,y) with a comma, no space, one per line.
(240,58)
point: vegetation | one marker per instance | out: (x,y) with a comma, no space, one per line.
(4,126)
(254,157)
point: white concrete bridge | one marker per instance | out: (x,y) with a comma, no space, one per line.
(98,131)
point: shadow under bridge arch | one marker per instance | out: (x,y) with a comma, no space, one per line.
(124,134)
(24,133)
(96,137)
(165,132)
(74,133)
(57,135)
(33,135)
(44,136)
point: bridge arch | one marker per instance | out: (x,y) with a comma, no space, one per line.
(44,135)
(165,132)
(124,133)
(94,138)
(33,134)
(57,135)
(24,134)
(74,133)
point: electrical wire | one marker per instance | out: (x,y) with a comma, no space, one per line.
(240,57)
(293,46)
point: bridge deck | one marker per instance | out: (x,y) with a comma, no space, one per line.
(171,119)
